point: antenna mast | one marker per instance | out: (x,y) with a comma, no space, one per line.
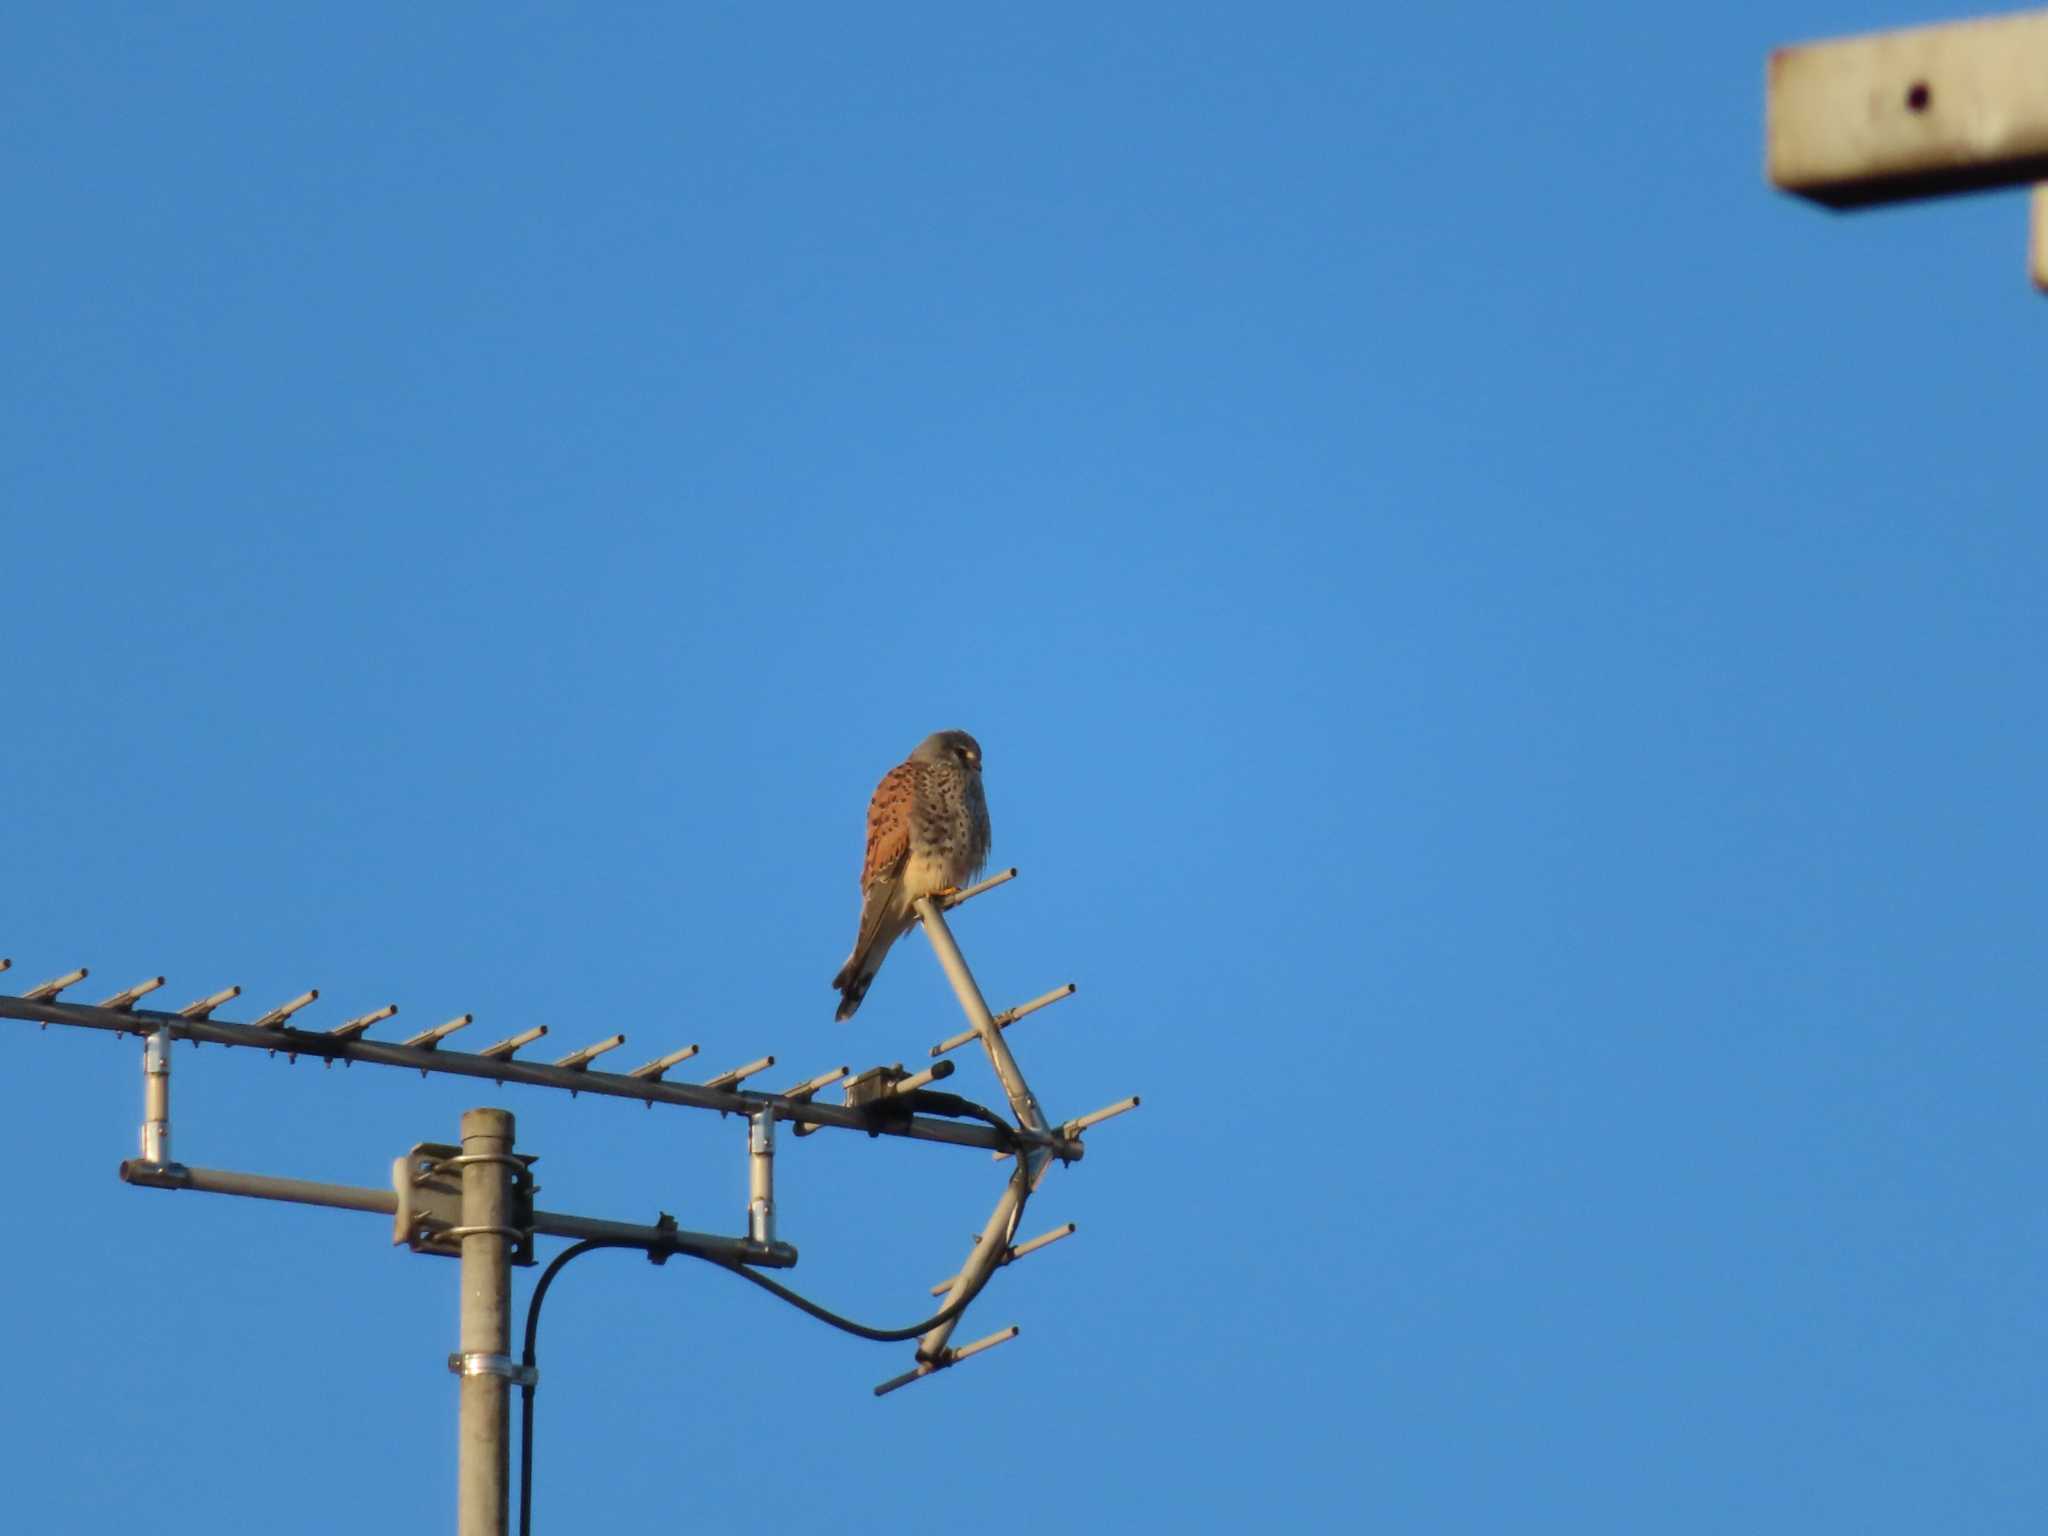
(474,1201)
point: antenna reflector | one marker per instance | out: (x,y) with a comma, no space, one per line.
(936,1072)
(276,1017)
(351,1029)
(128,998)
(738,1075)
(950,1357)
(809,1088)
(955,1356)
(203,1007)
(504,1049)
(428,1039)
(1096,1117)
(1006,1018)
(577,1061)
(47,991)
(651,1071)
(1012,1255)
(1002,877)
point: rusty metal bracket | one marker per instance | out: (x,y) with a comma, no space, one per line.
(428,1183)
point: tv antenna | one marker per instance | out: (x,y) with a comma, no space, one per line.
(473,1200)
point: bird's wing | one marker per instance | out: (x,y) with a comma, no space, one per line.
(889,825)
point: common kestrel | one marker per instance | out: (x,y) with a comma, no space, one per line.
(928,834)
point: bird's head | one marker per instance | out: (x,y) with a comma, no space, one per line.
(949,747)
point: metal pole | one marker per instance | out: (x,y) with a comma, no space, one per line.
(156,1098)
(761,1176)
(484,1443)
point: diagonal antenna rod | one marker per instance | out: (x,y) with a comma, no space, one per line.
(992,1247)
(1022,1104)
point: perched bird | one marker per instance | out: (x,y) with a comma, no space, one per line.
(928,835)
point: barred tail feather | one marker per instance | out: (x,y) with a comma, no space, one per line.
(858,974)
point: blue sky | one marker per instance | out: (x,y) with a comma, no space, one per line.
(1508,654)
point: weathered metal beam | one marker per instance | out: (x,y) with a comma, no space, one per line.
(327,1047)
(1920,112)
(384,1202)
(2037,243)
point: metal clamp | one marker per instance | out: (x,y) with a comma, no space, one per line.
(428,1214)
(517,1161)
(480,1364)
(513,1235)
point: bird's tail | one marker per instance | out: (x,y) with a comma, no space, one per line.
(858,974)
